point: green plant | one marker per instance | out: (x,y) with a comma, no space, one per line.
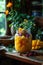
(19,19)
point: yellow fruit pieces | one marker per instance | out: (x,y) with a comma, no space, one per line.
(34,43)
(37,44)
(22,44)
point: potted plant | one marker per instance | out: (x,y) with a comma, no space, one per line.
(22,24)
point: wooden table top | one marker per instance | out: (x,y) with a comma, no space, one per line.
(35,60)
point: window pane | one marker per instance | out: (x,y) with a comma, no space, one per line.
(2,24)
(2,5)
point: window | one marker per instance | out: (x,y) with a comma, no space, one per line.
(37,7)
(2,17)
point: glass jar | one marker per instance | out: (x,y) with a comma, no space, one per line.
(23,41)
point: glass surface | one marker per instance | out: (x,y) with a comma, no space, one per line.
(2,5)
(2,24)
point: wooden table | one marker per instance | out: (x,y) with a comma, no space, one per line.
(30,60)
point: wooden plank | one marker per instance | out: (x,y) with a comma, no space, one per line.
(23,58)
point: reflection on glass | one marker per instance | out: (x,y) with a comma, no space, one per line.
(2,24)
(2,5)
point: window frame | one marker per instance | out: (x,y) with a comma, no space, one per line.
(3,12)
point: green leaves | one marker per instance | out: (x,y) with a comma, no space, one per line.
(39,34)
(17,19)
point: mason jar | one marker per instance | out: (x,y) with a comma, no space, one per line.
(23,42)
